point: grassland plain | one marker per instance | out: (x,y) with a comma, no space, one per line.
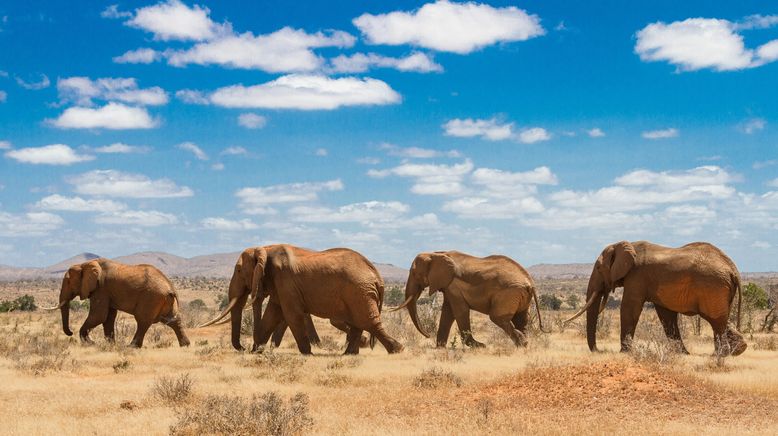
(52,384)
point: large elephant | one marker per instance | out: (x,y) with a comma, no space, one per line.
(338,284)
(140,290)
(494,285)
(696,279)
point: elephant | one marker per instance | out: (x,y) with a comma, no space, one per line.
(494,285)
(140,290)
(695,279)
(338,284)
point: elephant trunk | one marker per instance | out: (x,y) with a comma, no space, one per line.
(412,292)
(65,311)
(64,308)
(236,317)
(597,298)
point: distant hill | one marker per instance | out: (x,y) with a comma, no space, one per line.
(560,270)
(220,265)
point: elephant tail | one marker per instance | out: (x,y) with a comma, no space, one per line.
(736,281)
(537,307)
(380,289)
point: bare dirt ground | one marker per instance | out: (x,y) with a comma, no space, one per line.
(52,384)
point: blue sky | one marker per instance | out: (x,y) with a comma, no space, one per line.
(541,130)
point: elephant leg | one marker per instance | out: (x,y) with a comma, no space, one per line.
(270,320)
(669,320)
(98,314)
(296,322)
(378,331)
(353,339)
(178,329)
(279,332)
(630,314)
(444,327)
(461,312)
(109,326)
(140,333)
(313,335)
(519,321)
(364,342)
(726,340)
(504,322)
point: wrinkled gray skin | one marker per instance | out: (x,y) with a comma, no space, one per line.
(695,279)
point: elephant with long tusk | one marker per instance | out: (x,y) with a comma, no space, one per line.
(338,284)
(494,285)
(695,279)
(140,290)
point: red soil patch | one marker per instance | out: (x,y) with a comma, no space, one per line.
(622,390)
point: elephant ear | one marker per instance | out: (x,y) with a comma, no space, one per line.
(624,257)
(442,272)
(257,290)
(91,278)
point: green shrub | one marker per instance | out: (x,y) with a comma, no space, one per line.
(550,302)
(25,303)
(754,297)
(197,304)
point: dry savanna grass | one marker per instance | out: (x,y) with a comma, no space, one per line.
(54,385)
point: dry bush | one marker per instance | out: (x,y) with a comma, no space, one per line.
(123,365)
(267,414)
(37,354)
(434,378)
(278,366)
(328,344)
(654,350)
(173,390)
(769,343)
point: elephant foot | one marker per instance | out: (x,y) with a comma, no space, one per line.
(472,343)
(184,342)
(351,352)
(739,348)
(398,348)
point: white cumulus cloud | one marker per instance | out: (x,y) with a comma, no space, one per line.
(112,183)
(54,154)
(120,148)
(533,134)
(82,90)
(78,204)
(700,43)
(452,27)
(360,62)
(285,50)
(223,224)
(150,218)
(257,200)
(490,129)
(113,116)
(252,121)
(307,93)
(595,132)
(138,56)
(417,152)
(173,20)
(194,149)
(28,224)
(661,134)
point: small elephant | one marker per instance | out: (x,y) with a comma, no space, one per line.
(338,284)
(140,290)
(494,285)
(695,279)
